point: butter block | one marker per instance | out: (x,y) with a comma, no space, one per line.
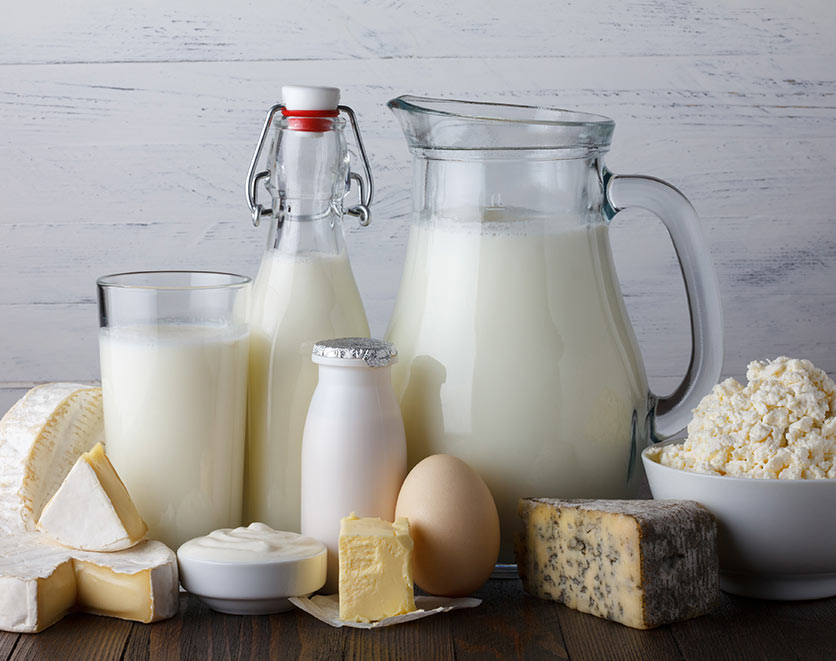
(642,563)
(92,509)
(375,569)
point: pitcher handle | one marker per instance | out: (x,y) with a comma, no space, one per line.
(673,412)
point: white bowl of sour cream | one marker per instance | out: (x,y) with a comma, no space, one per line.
(776,537)
(252,570)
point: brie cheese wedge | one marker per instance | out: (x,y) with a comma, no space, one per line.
(41,581)
(138,584)
(92,509)
(37,584)
(41,437)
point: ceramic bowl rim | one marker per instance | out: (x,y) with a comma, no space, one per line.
(725,479)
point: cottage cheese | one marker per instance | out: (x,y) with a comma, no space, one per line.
(782,424)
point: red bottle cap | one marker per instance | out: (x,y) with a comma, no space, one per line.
(310,108)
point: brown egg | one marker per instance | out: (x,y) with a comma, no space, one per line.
(454,524)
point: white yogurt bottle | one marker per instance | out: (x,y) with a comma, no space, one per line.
(353,446)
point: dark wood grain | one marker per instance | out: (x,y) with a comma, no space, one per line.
(76,637)
(205,632)
(508,625)
(160,640)
(589,637)
(430,638)
(813,624)
(746,624)
(296,634)
(7,644)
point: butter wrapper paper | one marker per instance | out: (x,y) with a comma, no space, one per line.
(326,608)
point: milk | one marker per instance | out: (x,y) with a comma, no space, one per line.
(517,356)
(353,451)
(175,408)
(297,299)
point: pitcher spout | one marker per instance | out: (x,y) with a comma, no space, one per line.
(455,125)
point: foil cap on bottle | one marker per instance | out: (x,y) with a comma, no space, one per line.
(372,352)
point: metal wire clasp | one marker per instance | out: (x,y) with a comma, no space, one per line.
(366,187)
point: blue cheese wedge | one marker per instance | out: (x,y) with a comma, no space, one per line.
(642,563)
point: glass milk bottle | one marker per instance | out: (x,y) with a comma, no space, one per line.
(354,447)
(304,289)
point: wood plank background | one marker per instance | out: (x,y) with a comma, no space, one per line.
(126,131)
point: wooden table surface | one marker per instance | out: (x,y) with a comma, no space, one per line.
(509,624)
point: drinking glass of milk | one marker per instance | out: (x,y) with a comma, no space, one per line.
(173,347)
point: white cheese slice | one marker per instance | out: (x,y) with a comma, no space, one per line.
(41,437)
(92,509)
(40,582)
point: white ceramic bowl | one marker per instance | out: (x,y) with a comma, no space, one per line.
(252,588)
(777,538)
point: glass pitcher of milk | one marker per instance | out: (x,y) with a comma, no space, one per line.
(304,289)
(516,351)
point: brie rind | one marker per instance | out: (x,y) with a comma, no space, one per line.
(40,582)
(37,583)
(41,437)
(92,510)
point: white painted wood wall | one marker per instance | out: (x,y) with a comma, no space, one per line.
(126,131)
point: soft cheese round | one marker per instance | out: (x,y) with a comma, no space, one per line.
(41,437)
(40,581)
(252,570)
(782,424)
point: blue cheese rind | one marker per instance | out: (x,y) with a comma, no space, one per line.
(642,563)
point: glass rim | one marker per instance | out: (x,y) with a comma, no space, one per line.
(433,106)
(117,281)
